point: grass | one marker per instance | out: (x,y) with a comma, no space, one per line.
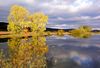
(10,35)
(6,35)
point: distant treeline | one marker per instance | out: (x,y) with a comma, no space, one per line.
(3,27)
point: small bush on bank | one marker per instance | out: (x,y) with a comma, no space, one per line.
(82,32)
(60,32)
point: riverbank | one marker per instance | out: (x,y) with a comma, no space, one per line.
(5,34)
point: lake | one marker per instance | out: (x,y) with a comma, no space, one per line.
(53,52)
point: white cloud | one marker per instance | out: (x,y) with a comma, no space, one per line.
(80,18)
(75,9)
(29,1)
(66,6)
(62,26)
(79,5)
(75,18)
(60,18)
(97,17)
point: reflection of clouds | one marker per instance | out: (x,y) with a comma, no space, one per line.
(97,45)
(72,41)
(85,45)
(82,52)
(60,37)
(56,37)
(75,56)
(82,60)
(73,53)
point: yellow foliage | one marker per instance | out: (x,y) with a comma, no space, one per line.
(82,32)
(25,53)
(39,21)
(48,33)
(60,32)
(19,19)
(38,17)
(17,14)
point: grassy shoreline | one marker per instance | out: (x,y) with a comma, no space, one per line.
(5,34)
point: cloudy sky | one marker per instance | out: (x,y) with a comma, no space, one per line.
(59,11)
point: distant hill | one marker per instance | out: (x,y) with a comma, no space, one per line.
(95,31)
(52,29)
(2,40)
(3,26)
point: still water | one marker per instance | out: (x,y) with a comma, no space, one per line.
(52,52)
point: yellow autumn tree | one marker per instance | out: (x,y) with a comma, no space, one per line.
(25,53)
(39,21)
(18,14)
(20,20)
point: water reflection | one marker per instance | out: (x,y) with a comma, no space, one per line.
(64,52)
(25,53)
(73,53)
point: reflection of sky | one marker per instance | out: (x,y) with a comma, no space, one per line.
(70,12)
(84,52)
(68,50)
(86,46)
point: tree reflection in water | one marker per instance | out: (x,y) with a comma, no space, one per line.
(25,53)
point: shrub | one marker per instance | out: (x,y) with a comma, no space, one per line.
(60,32)
(82,32)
